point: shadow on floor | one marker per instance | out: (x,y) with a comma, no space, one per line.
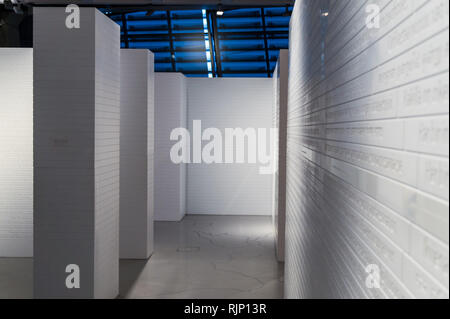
(129,271)
(16,278)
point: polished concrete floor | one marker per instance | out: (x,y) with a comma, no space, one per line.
(199,257)
(207,257)
(16,278)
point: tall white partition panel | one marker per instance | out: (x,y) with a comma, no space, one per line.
(280,102)
(170,178)
(76,155)
(236,188)
(368,150)
(16,149)
(136,153)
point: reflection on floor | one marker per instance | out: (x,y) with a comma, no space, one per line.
(207,257)
(199,257)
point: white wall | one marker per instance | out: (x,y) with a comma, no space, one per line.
(229,189)
(136,153)
(280,101)
(76,147)
(170,178)
(107,156)
(367,167)
(16,149)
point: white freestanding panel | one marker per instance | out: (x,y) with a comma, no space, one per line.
(136,153)
(368,147)
(76,145)
(280,86)
(170,178)
(235,188)
(16,149)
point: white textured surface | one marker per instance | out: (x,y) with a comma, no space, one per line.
(170,178)
(367,168)
(16,149)
(136,153)
(151,155)
(280,100)
(107,156)
(229,189)
(76,145)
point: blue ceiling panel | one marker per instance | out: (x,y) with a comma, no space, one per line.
(201,43)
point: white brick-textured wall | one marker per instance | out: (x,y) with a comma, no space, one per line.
(170,178)
(367,161)
(16,149)
(136,153)
(229,189)
(76,153)
(151,153)
(107,156)
(279,118)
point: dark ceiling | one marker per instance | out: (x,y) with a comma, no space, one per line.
(194,40)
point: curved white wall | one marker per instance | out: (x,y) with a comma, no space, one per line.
(368,148)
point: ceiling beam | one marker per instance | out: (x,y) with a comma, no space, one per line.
(189,37)
(125,30)
(266,42)
(211,46)
(216,43)
(195,16)
(172,49)
(227,60)
(227,71)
